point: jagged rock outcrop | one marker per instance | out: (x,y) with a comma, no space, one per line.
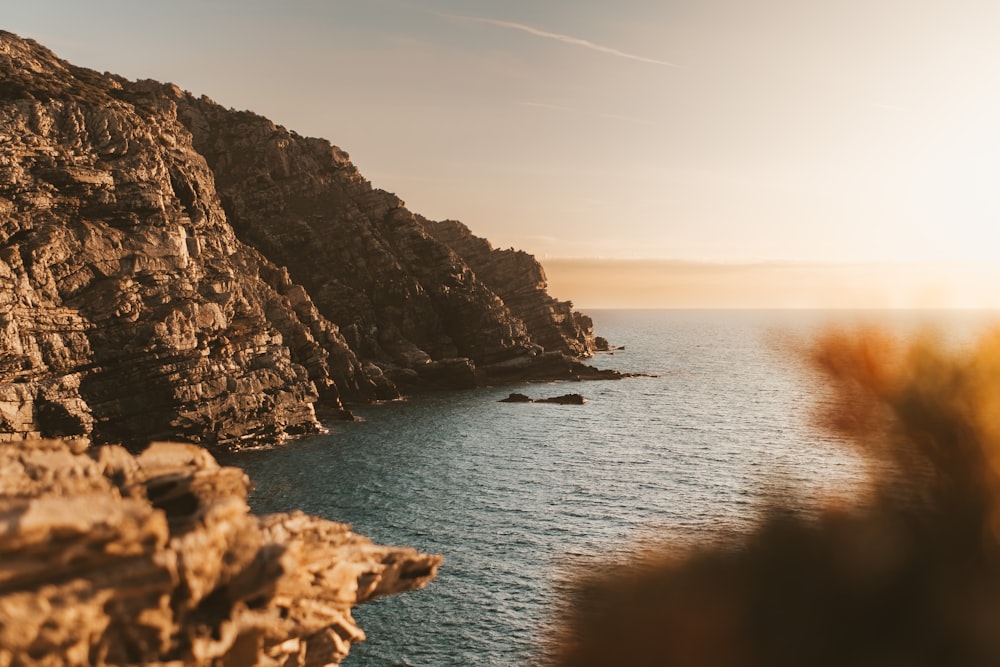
(129,310)
(170,269)
(518,279)
(111,559)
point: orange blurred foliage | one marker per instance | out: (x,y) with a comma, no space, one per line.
(909,577)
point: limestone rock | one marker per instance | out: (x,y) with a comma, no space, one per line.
(111,559)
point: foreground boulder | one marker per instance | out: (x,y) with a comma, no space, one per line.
(111,559)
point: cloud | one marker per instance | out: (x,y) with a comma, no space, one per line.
(565,39)
(556,107)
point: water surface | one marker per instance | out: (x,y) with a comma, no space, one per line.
(519,496)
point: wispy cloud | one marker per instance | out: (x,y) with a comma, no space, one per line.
(565,39)
(556,107)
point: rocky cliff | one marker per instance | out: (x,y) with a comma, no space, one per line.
(518,279)
(404,293)
(111,559)
(171,269)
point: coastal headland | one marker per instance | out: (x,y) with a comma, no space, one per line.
(175,270)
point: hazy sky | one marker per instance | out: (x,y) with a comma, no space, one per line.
(694,130)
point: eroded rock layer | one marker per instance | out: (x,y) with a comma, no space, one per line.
(144,294)
(112,559)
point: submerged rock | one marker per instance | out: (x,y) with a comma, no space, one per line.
(112,559)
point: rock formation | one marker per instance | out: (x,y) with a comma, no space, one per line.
(111,559)
(520,281)
(405,291)
(170,269)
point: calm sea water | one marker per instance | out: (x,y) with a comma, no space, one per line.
(519,497)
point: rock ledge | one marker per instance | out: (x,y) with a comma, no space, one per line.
(112,559)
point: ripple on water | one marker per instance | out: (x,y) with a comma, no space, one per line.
(519,496)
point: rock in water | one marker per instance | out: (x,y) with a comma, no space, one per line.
(129,310)
(565,399)
(516,398)
(108,558)
(144,235)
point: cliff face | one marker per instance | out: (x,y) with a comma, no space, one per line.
(401,289)
(128,307)
(518,279)
(144,236)
(110,559)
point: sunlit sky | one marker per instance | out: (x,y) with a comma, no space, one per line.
(765,131)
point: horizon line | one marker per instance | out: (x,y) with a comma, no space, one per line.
(770,262)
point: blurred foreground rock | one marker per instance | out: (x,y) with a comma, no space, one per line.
(112,559)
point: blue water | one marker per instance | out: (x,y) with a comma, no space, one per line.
(519,497)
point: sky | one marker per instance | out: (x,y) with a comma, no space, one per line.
(856,142)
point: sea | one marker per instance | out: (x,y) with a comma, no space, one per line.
(523,499)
